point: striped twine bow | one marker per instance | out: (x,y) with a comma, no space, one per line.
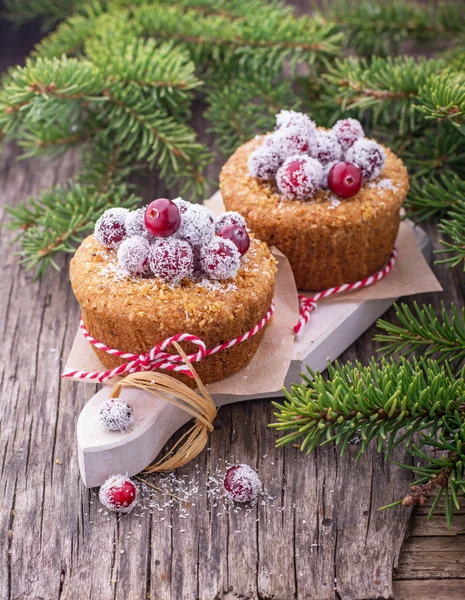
(308,305)
(157,357)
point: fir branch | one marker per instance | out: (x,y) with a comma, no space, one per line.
(380,28)
(443,98)
(453,227)
(248,106)
(387,88)
(422,331)
(374,402)
(432,199)
(49,11)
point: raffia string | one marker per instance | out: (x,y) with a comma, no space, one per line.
(200,406)
(308,305)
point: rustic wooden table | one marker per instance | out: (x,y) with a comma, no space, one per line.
(322,538)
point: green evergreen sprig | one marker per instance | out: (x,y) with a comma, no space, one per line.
(418,404)
(421,330)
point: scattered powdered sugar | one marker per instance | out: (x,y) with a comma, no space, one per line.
(197,225)
(229,218)
(299,177)
(369,156)
(220,258)
(347,132)
(327,149)
(133,255)
(383,184)
(335,202)
(172,259)
(112,484)
(264,162)
(115,415)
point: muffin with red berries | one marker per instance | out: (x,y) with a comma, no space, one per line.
(328,199)
(173,267)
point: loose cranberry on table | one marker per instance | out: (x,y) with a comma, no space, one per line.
(345,179)
(238,235)
(241,483)
(300,177)
(162,217)
(118,493)
(110,228)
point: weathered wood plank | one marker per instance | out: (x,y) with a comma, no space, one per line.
(430,589)
(432,557)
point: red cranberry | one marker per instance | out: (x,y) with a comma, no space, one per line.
(118,493)
(229,218)
(238,235)
(345,179)
(369,156)
(172,260)
(110,228)
(220,259)
(242,483)
(162,217)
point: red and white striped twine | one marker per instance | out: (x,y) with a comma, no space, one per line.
(308,305)
(157,357)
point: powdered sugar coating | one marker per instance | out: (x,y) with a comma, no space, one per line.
(347,132)
(300,177)
(368,156)
(220,259)
(133,255)
(292,118)
(115,415)
(172,260)
(115,482)
(327,149)
(135,224)
(264,162)
(182,204)
(326,169)
(291,140)
(197,225)
(241,483)
(110,228)
(229,218)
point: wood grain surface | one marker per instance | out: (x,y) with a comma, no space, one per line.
(323,538)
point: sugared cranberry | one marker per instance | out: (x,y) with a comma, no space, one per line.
(347,132)
(162,217)
(220,259)
(118,493)
(229,218)
(197,225)
(115,415)
(264,162)
(172,260)
(345,179)
(238,235)
(327,149)
(133,255)
(291,118)
(241,483)
(300,177)
(110,228)
(289,141)
(369,156)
